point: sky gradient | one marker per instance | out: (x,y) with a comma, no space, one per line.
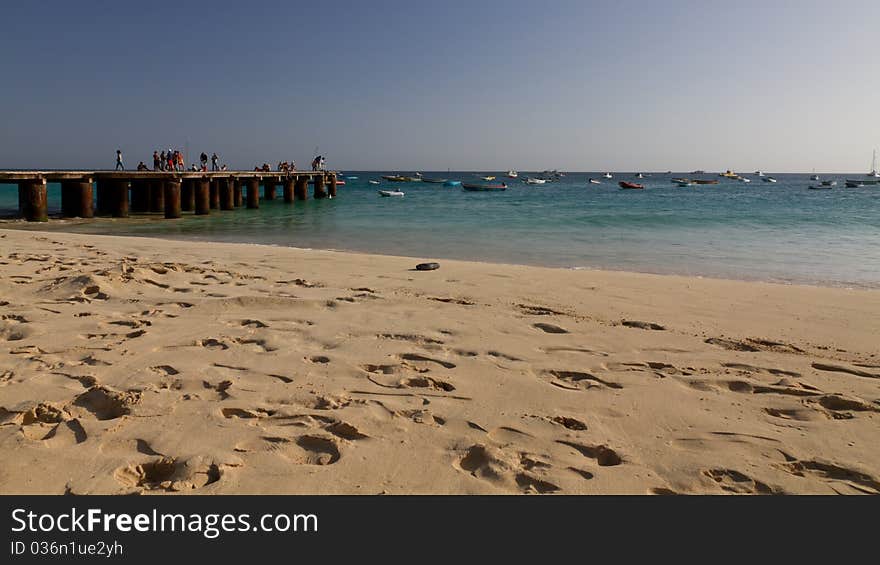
(781,86)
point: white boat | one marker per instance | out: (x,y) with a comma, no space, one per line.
(594,181)
(512,174)
(744,179)
(531,180)
(814,176)
(391,193)
(874,173)
(768,179)
(759,173)
(640,176)
(373,181)
(606,175)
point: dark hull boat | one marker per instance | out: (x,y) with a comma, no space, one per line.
(630,185)
(483,187)
(434,181)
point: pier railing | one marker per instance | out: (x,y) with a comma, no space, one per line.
(120,193)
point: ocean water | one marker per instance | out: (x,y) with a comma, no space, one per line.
(779,232)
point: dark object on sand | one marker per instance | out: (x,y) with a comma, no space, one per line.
(427,266)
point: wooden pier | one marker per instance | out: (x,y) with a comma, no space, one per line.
(120,193)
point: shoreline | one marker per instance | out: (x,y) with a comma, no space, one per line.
(139,365)
(21,225)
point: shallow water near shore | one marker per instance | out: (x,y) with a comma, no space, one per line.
(779,232)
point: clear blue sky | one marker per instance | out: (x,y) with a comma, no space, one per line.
(575,85)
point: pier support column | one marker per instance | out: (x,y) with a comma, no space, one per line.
(253,192)
(203,196)
(187,195)
(77,199)
(157,196)
(301,188)
(32,200)
(288,189)
(319,187)
(119,198)
(227,198)
(103,190)
(140,195)
(269,189)
(215,194)
(332,186)
(172,199)
(236,192)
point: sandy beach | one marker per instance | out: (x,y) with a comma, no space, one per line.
(135,365)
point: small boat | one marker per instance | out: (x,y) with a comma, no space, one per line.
(531,180)
(416,178)
(594,181)
(874,173)
(729,175)
(680,179)
(854,184)
(698,172)
(452,183)
(630,185)
(434,181)
(759,173)
(768,179)
(395,178)
(390,193)
(703,181)
(489,178)
(606,176)
(684,183)
(640,176)
(814,177)
(512,174)
(483,187)
(351,178)
(373,181)
(743,179)
(821,186)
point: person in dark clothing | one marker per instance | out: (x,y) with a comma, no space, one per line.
(214,159)
(203,159)
(162,161)
(156,163)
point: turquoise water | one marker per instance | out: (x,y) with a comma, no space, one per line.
(758,231)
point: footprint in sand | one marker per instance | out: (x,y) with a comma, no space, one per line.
(168,474)
(604,455)
(734,481)
(578,380)
(504,470)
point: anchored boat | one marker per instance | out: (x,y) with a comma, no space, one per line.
(630,185)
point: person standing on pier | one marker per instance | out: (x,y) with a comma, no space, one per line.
(119,164)
(214,162)
(203,159)
(156,162)
(180,164)
(321,163)
(162,160)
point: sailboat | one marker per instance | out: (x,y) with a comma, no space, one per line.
(874,173)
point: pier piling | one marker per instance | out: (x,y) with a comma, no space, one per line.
(203,196)
(288,189)
(319,187)
(332,186)
(301,188)
(253,192)
(236,192)
(140,196)
(172,199)
(32,200)
(269,189)
(215,194)
(227,198)
(77,200)
(119,198)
